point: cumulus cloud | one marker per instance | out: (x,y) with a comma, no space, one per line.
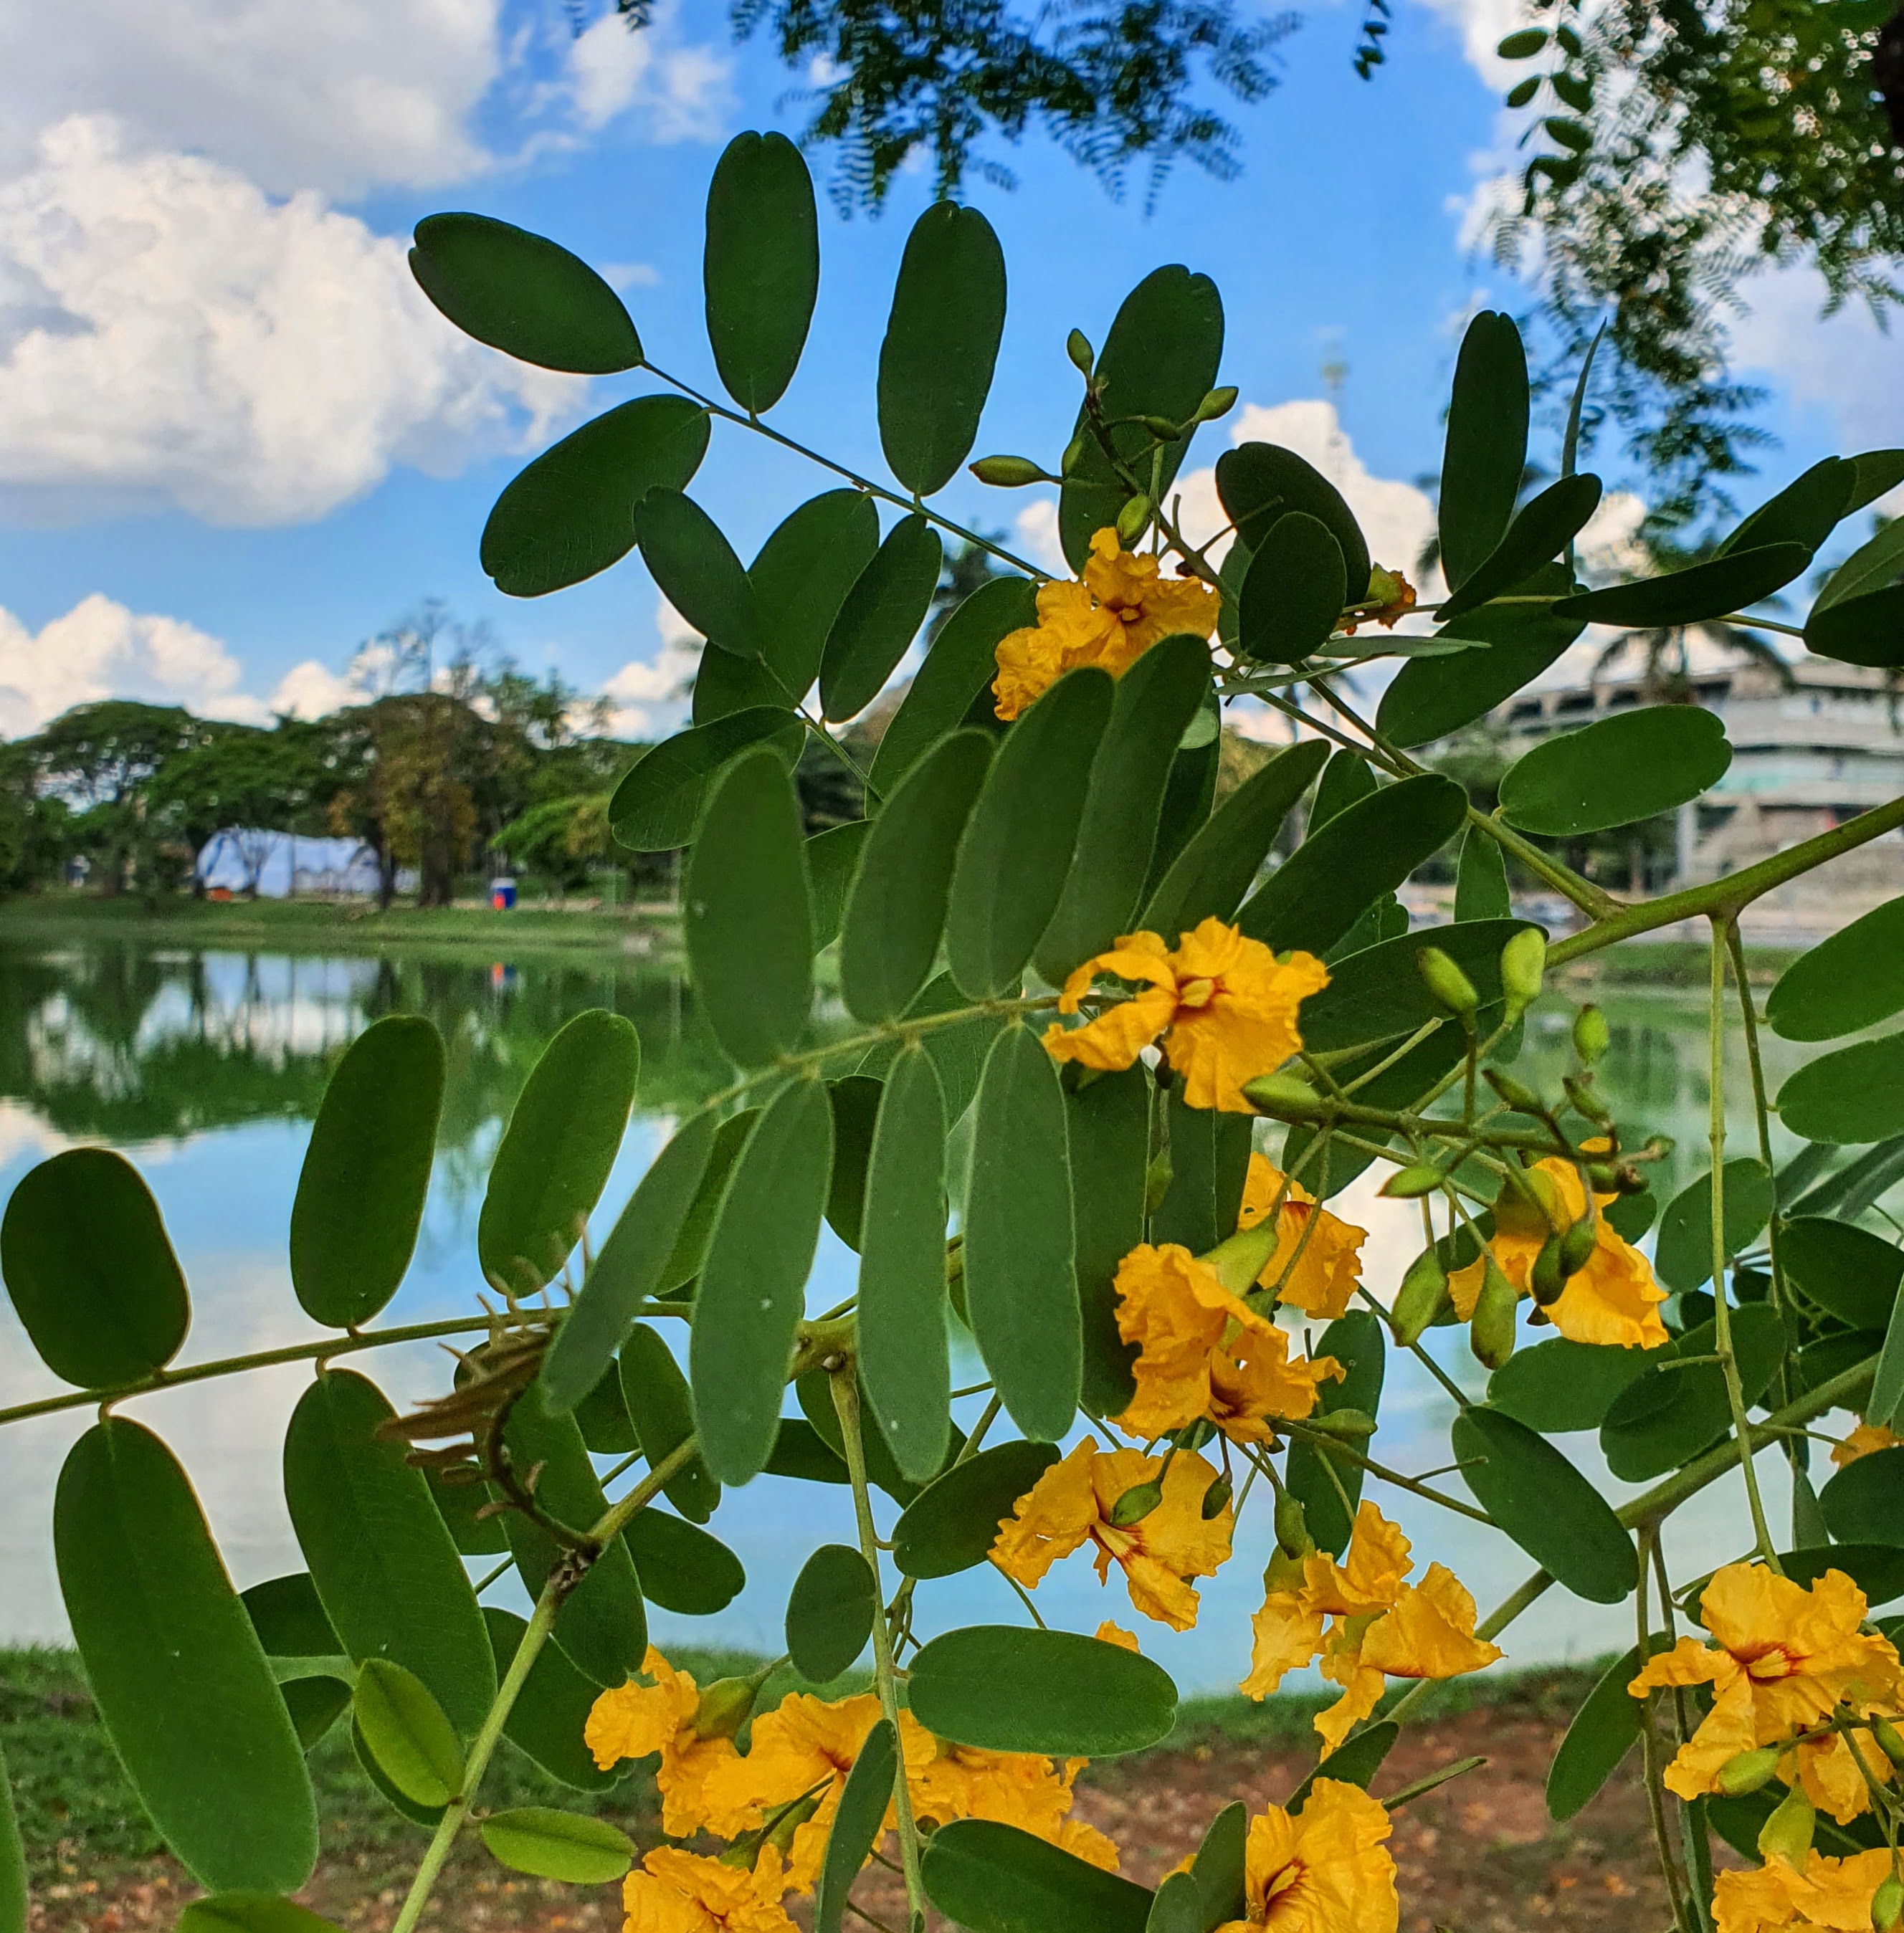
(681,90)
(173,337)
(1844,365)
(648,697)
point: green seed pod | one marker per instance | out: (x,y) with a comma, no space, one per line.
(1522,1099)
(1217,403)
(1591,1034)
(1447,984)
(1292,1526)
(1888,1905)
(1010,472)
(1490,1328)
(1577,1246)
(1422,1297)
(1889,1742)
(1131,519)
(1749,1771)
(1077,345)
(1411,1183)
(1163,428)
(1217,1497)
(1547,1281)
(1352,1425)
(1582,1094)
(1523,961)
(724,1707)
(1285,1096)
(1788,1833)
(1136,1504)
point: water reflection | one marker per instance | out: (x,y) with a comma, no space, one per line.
(207,1066)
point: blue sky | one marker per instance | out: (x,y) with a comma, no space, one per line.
(234,443)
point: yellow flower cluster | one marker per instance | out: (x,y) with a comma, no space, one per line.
(1323,1870)
(1120,608)
(1866,1440)
(1317,1258)
(1223,1005)
(1782,1658)
(1830,1893)
(1367,1624)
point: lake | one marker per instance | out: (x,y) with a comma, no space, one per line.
(206,1066)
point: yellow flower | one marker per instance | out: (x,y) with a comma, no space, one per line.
(1783,1657)
(1253,1384)
(1072,1504)
(1108,1633)
(1398,599)
(1831,1893)
(1015,1789)
(1378,1625)
(1224,1006)
(1120,608)
(1325,1272)
(634,1720)
(1613,1299)
(1324,1871)
(675,1892)
(1865,1440)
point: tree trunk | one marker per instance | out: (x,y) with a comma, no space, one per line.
(386,878)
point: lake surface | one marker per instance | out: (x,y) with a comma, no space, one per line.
(206,1068)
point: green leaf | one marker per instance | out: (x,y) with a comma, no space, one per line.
(1856,1187)
(1604,1730)
(1006,1688)
(1542,531)
(1355,1762)
(814,1392)
(659,800)
(1378,993)
(1860,1502)
(1523,44)
(855,1101)
(1187,802)
(760,268)
(1356,1342)
(1887,1395)
(1159,358)
(724,685)
(656,1393)
(1557,1386)
(523,294)
(366,1171)
(1623,769)
(1219,863)
(833,859)
(1346,780)
(1807,511)
(1481,889)
(289,1619)
(1153,702)
(555,1154)
(857,1821)
(91,1274)
(1844,983)
(1878,471)
(627,1270)
(1864,630)
(458,1504)
(941,344)
(1665,1417)
(428,1816)
(413,1744)
(1430,697)
(1218,1865)
(1535,1495)
(1694,595)
(14,1902)
(551,1843)
(1108,1134)
(896,911)
(903,1354)
(384,1563)
(753,1283)
(1853,1095)
(1293,591)
(1683,1255)
(1259,482)
(602,1624)
(953,1523)
(879,617)
(175,1668)
(1020,1288)
(996,1879)
(1018,844)
(1317,894)
(1871,566)
(830,1612)
(682,1567)
(552,1709)
(571,513)
(694,567)
(801,574)
(1210,1159)
(1486,448)
(1849,1271)
(247,1912)
(1876,1569)
(801,1453)
(747,917)
(691,1248)
(959,663)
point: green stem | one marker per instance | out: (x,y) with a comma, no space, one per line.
(1650,1768)
(345,1344)
(1327,1445)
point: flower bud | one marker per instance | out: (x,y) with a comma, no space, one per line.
(1606,1179)
(1490,1328)
(1524,961)
(1350,1425)
(1577,1246)
(1787,1835)
(1074,454)
(1283,1572)
(1528,1204)
(1582,1094)
(1521,1099)
(1411,1183)
(1136,1504)
(1163,428)
(1077,345)
(1888,1741)
(1747,1771)
(1591,1035)
(1547,1281)
(1282,1095)
(1447,986)
(1292,1526)
(1010,472)
(1217,403)
(1887,1906)
(1131,519)
(724,1707)
(1422,1297)
(1215,1499)
(780,1833)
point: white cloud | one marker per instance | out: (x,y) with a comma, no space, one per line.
(312,690)
(682,91)
(1844,365)
(171,336)
(99,649)
(649,696)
